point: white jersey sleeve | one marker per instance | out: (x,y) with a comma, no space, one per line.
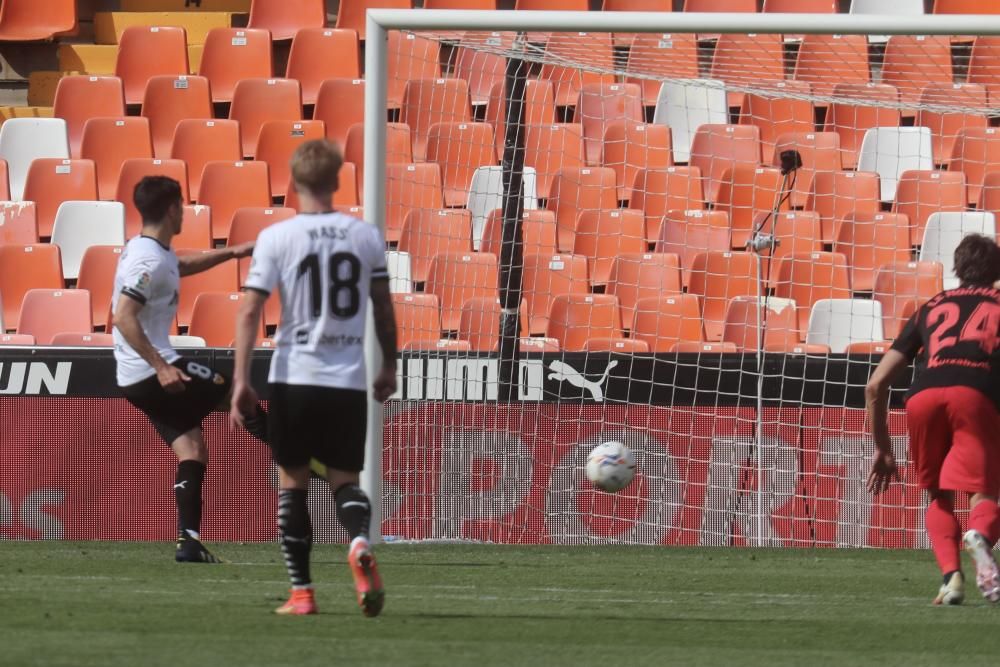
(265,269)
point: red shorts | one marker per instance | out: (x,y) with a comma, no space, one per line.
(954,439)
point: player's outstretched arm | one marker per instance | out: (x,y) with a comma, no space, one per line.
(385,330)
(126,320)
(877,403)
(244,401)
(190,264)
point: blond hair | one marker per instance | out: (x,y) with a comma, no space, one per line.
(315,166)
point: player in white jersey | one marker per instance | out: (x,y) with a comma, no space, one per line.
(326,266)
(175,393)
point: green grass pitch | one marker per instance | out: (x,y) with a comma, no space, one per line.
(108,604)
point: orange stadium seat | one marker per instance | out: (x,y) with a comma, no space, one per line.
(745,192)
(898,286)
(663,321)
(657,191)
(170,99)
(539,107)
(921,193)
(111,141)
(18,223)
(285,18)
(80,98)
(51,181)
(544,276)
(801,6)
(630,148)
(945,126)
(869,347)
(428,233)
(427,102)
(820,151)
(460,4)
(418,317)
(196,228)
(551,148)
(642,275)
(479,323)
(409,58)
(409,187)
(693,347)
(340,104)
(456,278)
(538,233)
(857,110)
(775,116)
(689,233)
(148,51)
(598,105)
(17,339)
(717,277)
(276,142)
(219,278)
(25,267)
(668,56)
(482,69)
(459,149)
(248,223)
(346,195)
(228,186)
(870,240)
(83,340)
(744,315)
(351,14)
(398,147)
(256,101)
(199,142)
(984,65)
(965,7)
(602,235)
(795,231)
(976,152)
(824,61)
(319,54)
(214,318)
(741,6)
(616,345)
(746,60)
(989,195)
(4,181)
(574,191)
(233,54)
(716,149)
(915,61)
(567,81)
(837,193)
(134,170)
(30,20)
(47,312)
(439,345)
(575,318)
(97,276)
(807,278)
(556,5)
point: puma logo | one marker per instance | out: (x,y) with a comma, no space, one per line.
(563,372)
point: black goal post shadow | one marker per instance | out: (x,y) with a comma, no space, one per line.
(512,246)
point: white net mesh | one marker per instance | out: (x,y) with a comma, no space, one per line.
(650,162)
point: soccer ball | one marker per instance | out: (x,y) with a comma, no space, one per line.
(610,466)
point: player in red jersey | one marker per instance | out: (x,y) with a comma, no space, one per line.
(952,415)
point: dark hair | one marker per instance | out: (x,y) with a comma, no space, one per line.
(154,195)
(977,261)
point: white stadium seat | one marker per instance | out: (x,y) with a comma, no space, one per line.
(486,194)
(890,151)
(840,322)
(187,341)
(398,264)
(81,224)
(25,139)
(943,233)
(687,104)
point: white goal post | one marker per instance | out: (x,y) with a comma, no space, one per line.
(436,23)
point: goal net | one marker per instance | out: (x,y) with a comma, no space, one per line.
(695,243)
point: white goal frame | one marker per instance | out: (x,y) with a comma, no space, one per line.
(380,21)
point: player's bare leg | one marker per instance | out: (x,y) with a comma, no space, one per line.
(295,530)
(984,526)
(945,533)
(354,513)
(192,457)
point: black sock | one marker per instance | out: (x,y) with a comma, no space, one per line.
(187,491)
(295,531)
(256,424)
(354,511)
